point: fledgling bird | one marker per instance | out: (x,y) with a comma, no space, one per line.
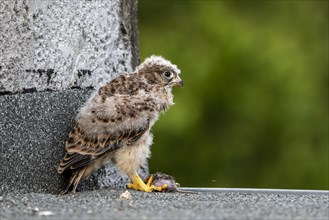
(115,123)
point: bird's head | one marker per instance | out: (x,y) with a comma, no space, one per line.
(157,70)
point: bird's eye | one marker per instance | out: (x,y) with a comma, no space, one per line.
(168,74)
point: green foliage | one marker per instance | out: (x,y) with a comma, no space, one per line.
(254,108)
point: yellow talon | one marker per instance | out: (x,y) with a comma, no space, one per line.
(138,184)
(149,180)
(157,188)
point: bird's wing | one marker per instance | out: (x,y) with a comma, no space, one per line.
(81,150)
(84,144)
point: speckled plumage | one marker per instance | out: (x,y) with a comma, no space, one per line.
(115,122)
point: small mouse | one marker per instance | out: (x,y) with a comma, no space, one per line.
(159,179)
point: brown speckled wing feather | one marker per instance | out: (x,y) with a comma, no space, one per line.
(73,161)
(81,152)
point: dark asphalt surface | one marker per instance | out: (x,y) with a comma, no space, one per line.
(106,204)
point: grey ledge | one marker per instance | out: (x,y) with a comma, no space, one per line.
(256,190)
(106,204)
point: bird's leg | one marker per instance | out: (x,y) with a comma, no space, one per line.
(138,184)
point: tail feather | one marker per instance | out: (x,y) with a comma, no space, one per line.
(74,181)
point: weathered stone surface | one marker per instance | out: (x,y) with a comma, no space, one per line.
(62,44)
(33,130)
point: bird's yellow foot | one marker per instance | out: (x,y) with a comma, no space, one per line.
(138,184)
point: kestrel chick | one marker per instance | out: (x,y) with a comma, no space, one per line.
(115,123)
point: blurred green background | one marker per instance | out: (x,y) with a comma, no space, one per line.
(254,108)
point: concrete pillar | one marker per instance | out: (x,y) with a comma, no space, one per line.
(53,54)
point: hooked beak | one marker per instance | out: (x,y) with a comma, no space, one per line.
(178,83)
